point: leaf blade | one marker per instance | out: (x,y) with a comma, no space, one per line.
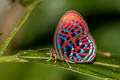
(94,69)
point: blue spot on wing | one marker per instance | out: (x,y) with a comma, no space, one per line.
(74,59)
(77,55)
(81,30)
(82,51)
(75,23)
(85,46)
(74,29)
(60,33)
(71,54)
(78,25)
(58,44)
(67,31)
(70,45)
(64,38)
(91,47)
(76,33)
(70,57)
(72,48)
(63,30)
(65,50)
(90,51)
(80,42)
(85,57)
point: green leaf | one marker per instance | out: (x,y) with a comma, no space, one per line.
(103,67)
(11,59)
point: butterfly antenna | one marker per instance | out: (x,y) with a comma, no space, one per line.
(44,49)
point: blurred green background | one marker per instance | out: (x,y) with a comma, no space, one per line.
(102,16)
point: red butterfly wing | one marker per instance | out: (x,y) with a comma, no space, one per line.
(73,42)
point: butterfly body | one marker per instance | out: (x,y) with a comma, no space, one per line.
(72,40)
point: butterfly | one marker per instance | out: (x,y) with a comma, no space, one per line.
(72,41)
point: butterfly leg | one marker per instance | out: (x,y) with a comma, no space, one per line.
(53,53)
(55,58)
(50,57)
(70,67)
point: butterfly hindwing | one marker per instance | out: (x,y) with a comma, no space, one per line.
(80,49)
(72,39)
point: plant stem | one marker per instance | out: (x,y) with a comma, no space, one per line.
(16,29)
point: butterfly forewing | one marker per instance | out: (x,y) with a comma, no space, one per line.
(72,39)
